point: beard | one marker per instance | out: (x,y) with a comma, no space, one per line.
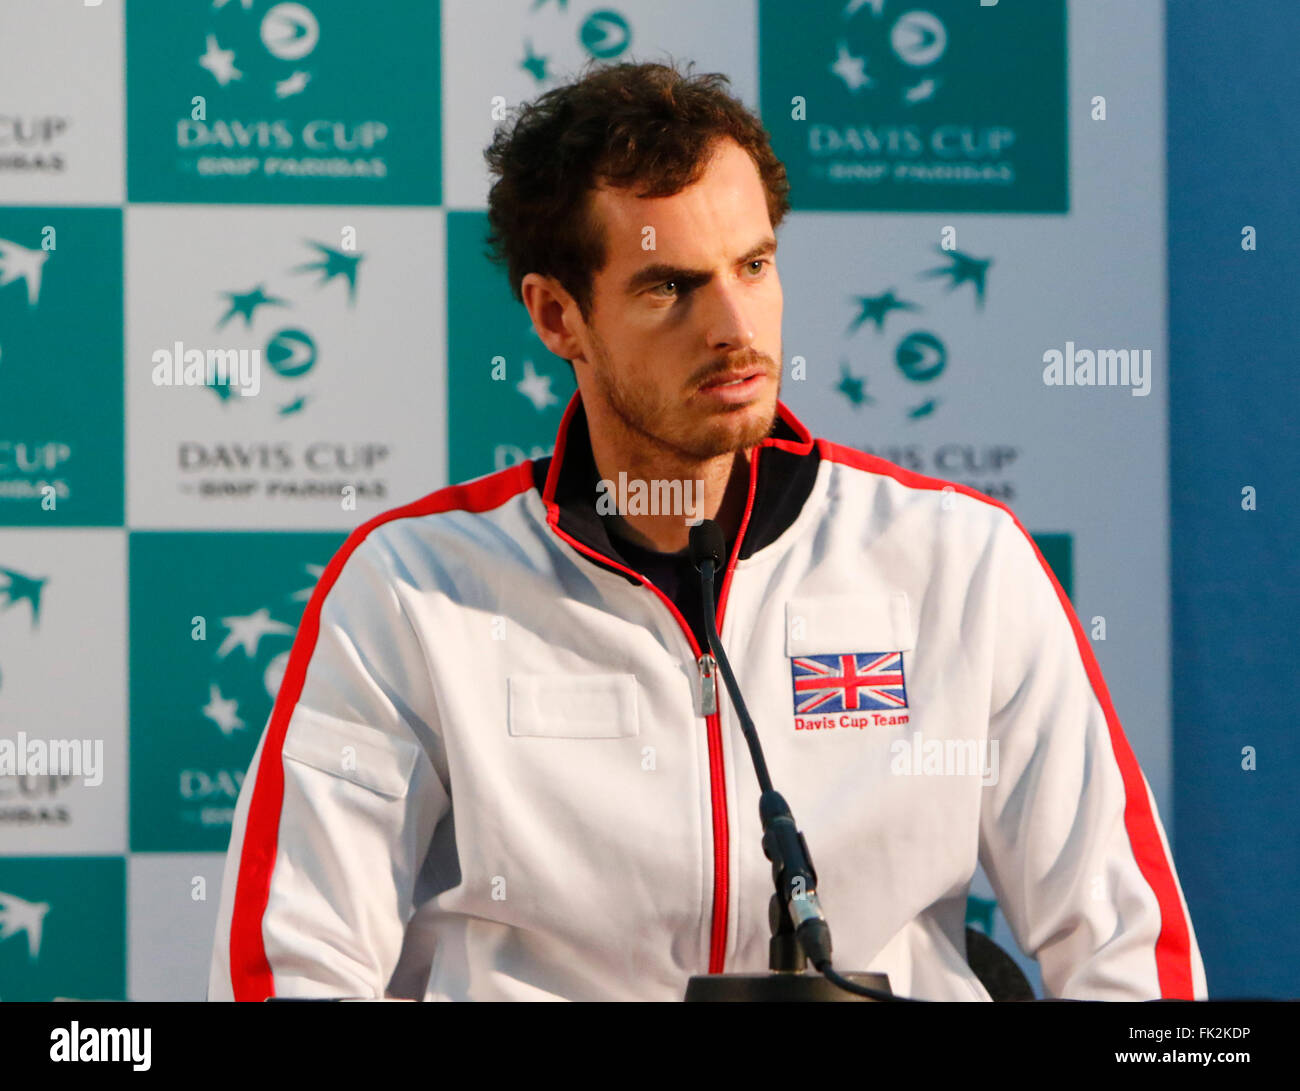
(688,433)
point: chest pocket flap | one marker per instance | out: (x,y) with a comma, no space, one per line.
(835,624)
(587,706)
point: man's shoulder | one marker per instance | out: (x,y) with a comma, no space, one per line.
(477,496)
(437,517)
(944,520)
(872,472)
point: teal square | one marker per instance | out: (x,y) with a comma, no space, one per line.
(65,920)
(506,391)
(323,102)
(61,367)
(1058,552)
(946,106)
(199,706)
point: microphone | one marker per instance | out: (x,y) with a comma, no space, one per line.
(795,909)
(707,543)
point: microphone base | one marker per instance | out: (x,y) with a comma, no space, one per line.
(773,988)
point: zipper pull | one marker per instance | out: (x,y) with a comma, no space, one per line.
(708,684)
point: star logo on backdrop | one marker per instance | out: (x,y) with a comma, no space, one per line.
(19,263)
(536,388)
(920,356)
(247,632)
(224,712)
(851,8)
(963,269)
(292,85)
(876,307)
(852,386)
(220,62)
(17,915)
(851,69)
(923,410)
(532,63)
(922,91)
(245,303)
(15,587)
(288,32)
(899,49)
(315,571)
(290,353)
(336,263)
(603,35)
(240,686)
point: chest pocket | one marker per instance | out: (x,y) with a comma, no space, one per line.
(588,706)
(839,624)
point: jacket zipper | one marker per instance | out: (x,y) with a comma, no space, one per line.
(707,667)
(708,684)
(706,664)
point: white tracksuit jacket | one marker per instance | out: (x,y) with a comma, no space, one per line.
(489,773)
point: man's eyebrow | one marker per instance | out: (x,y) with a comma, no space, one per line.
(662,271)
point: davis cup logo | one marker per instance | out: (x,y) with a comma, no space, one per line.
(918,105)
(875,51)
(920,356)
(289,32)
(322,102)
(854,689)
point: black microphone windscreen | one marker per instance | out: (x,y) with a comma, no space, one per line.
(707,543)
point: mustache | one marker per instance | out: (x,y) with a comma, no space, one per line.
(746,360)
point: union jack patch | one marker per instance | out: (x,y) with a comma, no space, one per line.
(848,682)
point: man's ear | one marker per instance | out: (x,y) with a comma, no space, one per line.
(554,313)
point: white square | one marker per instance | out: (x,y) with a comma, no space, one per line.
(63,677)
(172,901)
(350,383)
(62,135)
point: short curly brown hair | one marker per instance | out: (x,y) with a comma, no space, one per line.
(647,125)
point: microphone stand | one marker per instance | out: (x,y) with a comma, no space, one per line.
(799,929)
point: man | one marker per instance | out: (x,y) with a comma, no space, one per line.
(500,765)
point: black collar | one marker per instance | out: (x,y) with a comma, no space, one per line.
(785,465)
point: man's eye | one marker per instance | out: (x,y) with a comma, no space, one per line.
(666,289)
(760,262)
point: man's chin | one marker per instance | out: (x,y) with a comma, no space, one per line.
(737,429)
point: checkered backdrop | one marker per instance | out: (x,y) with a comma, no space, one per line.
(975,184)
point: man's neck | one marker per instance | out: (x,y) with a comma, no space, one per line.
(715,488)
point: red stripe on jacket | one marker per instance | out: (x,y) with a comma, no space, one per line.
(250,971)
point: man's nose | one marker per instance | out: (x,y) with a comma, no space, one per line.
(728,324)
